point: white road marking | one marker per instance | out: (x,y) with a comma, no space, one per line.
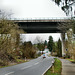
(36,63)
(41,61)
(47,69)
(25,67)
(30,66)
(9,73)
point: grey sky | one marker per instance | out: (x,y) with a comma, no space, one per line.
(41,36)
(32,8)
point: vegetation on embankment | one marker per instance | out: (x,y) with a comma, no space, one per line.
(55,69)
(12,49)
(11,63)
(71,60)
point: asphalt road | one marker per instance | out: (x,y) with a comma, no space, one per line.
(34,67)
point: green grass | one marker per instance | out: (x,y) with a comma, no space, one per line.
(70,59)
(73,61)
(18,61)
(3,66)
(56,69)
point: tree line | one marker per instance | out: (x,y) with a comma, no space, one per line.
(53,46)
(11,46)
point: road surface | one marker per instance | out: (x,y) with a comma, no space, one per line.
(34,67)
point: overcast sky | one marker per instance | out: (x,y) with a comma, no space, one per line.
(33,9)
(41,36)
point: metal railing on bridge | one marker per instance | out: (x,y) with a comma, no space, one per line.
(43,19)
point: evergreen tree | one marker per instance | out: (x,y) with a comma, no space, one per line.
(54,47)
(45,43)
(50,43)
(59,46)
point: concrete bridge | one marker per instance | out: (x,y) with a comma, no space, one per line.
(40,25)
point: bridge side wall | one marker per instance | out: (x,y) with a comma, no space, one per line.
(39,27)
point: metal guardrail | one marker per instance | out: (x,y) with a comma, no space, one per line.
(51,19)
(42,18)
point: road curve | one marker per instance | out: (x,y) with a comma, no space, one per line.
(34,67)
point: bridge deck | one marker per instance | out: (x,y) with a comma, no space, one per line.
(44,20)
(40,25)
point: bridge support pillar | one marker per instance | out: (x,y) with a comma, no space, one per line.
(63,43)
(63,48)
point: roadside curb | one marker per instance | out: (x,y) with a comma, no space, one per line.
(49,67)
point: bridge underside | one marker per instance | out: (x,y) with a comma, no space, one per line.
(39,27)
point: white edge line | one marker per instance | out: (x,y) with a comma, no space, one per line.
(9,73)
(47,69)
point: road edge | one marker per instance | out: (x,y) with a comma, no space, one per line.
(48,68)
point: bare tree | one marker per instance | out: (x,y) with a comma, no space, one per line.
(38,39)
(9,39)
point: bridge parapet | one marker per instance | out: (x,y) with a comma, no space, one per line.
(65,19)
(54,20)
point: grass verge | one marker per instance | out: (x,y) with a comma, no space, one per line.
(18,61)
(71,60)
(55,69)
